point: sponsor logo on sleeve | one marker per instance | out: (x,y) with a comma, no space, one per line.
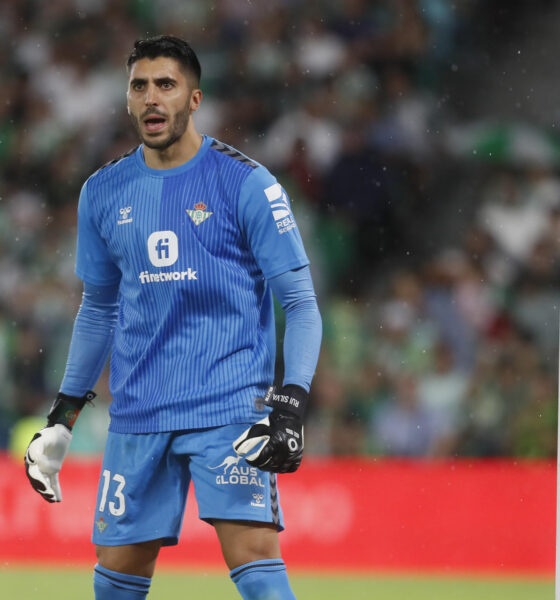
(280,207)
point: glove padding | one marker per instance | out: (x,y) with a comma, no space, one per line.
(43,460)
(278,440)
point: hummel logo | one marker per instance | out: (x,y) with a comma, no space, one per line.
(280,208)
(258,500)
(125,212)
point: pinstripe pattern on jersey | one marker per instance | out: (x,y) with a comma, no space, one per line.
(187,353)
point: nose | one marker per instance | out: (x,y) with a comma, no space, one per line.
(151,98)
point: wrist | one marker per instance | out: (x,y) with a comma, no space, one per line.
(290,398)
(65,409)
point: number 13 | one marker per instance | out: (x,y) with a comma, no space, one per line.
(114,509)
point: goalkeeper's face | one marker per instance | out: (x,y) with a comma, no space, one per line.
(161,97)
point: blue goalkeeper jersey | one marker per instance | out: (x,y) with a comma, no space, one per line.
(192,248)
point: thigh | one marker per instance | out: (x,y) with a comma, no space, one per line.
(142,491)
(244,542)
(228,488)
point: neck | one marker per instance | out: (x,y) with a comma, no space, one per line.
(177,154)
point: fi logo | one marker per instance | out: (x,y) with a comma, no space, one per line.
(163,248)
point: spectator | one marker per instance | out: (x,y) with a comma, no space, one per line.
(403,427)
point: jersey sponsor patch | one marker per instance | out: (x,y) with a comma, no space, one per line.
(147,277)
(163,248)
(280,207)
(163,251)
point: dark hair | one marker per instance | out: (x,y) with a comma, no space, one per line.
(166,45)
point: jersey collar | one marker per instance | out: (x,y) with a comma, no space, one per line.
(139,155)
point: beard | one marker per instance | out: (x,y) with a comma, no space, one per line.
(177,127)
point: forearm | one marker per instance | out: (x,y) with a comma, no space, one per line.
(92,338)
(302,337)
(302,340)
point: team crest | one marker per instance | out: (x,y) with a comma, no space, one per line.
(199,213)
(101,525)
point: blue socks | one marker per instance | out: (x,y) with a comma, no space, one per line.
(110,585)
(263,580)
(258,580)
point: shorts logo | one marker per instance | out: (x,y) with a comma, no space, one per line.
(227,463)
(163,248)
(258,500)
(280,208)
(125,218)
(101,525)
(199,214)
(237,475)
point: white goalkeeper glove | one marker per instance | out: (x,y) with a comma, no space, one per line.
(43,460)
(275,443)
(48,448)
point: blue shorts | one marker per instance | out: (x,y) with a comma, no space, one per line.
(145,479)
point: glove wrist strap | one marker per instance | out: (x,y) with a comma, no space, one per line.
(290,398)
(65,409)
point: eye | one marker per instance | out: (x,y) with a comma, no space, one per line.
(167,85)
(137,87)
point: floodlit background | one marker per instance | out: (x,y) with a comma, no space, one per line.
(419,143)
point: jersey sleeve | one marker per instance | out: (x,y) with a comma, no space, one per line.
(93,262)
(92,337)
(302,338)
(266,218)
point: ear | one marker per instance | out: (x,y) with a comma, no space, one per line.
(196,99)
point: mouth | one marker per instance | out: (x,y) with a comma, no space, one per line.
(154,123)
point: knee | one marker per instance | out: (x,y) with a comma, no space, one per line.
(244,554)
(134,559)
(242,544)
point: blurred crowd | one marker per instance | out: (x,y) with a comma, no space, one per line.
(440,321)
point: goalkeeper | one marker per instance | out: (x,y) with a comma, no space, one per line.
(181,244)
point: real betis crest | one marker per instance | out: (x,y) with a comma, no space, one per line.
(199,213)
(101,525)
